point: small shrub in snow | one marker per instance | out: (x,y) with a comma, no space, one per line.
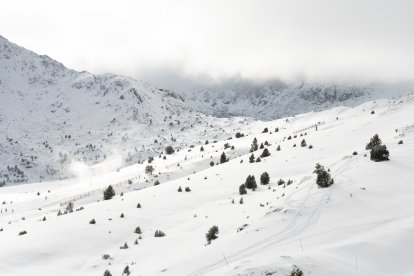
(137,230)
(212,163)
(122,215)
(187,189)
(157,182)
(296,271)
(24,232)
(242,189)
(400,142)
(179,189)
(264,178)
(310,147)
(125,246)
(258,159)
(201,149)
(159,233)
(355,153)
(126,271)
(149,169)
(239,135)
(109,193)
(265,130)
(106,256)
(107,273)
(92,221)
(138,205)
(241,200)
(323,179)
(169,150)
(212,234)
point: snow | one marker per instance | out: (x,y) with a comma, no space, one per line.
(361,225)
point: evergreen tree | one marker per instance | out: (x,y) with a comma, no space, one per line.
(323,179)
(251,158)
(375,141)
(138,230)
(242,189)
(265,153)
(261,146)
(109,193)
(223,158)
(250,182)
(278,148)
(126,271)
(169,150)
(241,200)
(254,145)
(149,169)
(264,178)
(303,143)
(212,234)
(107,273)
(379,153)
(265,130)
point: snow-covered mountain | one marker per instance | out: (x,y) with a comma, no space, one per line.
(51,115)
(275,99)
(361,225)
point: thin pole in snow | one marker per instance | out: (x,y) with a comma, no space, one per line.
(301,245)
(356,263)
(225,260)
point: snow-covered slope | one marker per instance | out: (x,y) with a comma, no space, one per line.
(274,99)
(51,115)
(362,225)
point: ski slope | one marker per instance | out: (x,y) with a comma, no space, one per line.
(361,225)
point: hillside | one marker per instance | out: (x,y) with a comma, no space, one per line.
(53,117)
(271,100)
(361,225)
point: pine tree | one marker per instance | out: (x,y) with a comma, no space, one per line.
(212,234)
(107,273)
(261,146)
(375,141)
(138,230)
(169,150)
(250,182)
(251,158)
(264,178)
(379,153)
(126,271)
(254,145)
(303,143)
(278,148)
(223,158)
(109,193)
(323,178)
(180,189)
(242,189)
(241,200)
(265,153)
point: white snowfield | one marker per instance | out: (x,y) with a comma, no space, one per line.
(362,225)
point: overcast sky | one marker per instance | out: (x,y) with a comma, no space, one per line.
(167,42)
